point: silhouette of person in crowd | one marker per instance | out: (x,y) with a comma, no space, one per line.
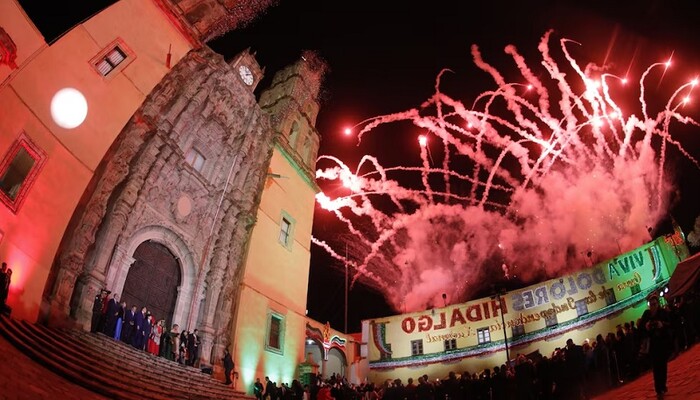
(656,321)
(258,389)
(270,389)
(4,282)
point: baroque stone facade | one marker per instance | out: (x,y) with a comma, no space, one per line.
(145,189)
(204,20)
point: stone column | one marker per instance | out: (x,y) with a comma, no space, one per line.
(205,354)
(59,302)
(119,269)
(87,286)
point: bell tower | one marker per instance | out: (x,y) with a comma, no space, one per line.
(275,274)
(247,69)
(292,100)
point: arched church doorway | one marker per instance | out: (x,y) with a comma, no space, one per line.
(153,281)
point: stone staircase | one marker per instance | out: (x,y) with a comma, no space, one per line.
(112,368)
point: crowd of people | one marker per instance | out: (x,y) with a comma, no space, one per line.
(142,330)
(574,371)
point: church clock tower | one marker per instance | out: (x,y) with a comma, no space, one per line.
(272,300)
(247,69)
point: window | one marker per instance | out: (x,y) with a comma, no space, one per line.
(518,330)
(113,57)
(610,297)
(195,159)
(483,335)
(550,319)
(275,332)
(286,234)
(450,344)
(18,171)
(294,134)
(416,347)
(306,151)
(581,307)
(285,229)
(110,61)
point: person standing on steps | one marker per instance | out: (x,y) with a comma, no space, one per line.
(137,336)
(228,365)
(128,325)
(193,343)
(120,320)
(112,315)
(98,304)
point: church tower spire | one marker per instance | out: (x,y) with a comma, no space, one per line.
(292,101)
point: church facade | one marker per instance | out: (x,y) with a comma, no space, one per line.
(180,191)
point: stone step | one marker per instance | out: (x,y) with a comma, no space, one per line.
(110,367)
(145,369)
(96,382)
(119,353)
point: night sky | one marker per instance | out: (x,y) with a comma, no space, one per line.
(385,59)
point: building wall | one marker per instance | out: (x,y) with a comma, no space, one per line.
(276,276)
(332,352)
(630,276)
(270,263)
(31,235)
(23,33)
(252,359)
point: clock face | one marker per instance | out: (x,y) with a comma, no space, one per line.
(246,75)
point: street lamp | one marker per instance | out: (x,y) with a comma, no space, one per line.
(497,295)
(345,330)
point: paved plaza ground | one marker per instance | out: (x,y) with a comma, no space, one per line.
(683,381)
(22,378)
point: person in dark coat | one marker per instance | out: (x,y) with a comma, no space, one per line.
(193,343)
(575,362)
(270,389)
(138,341)
(228,365)
(112,315)
(3,283)
(128,325)
(258,389)
(97,306)
(146,330)
(657,322)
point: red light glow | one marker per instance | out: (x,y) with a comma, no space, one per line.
(423,140)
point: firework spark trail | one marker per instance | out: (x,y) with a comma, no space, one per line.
(533,182)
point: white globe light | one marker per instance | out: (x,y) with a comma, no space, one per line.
(68,108)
